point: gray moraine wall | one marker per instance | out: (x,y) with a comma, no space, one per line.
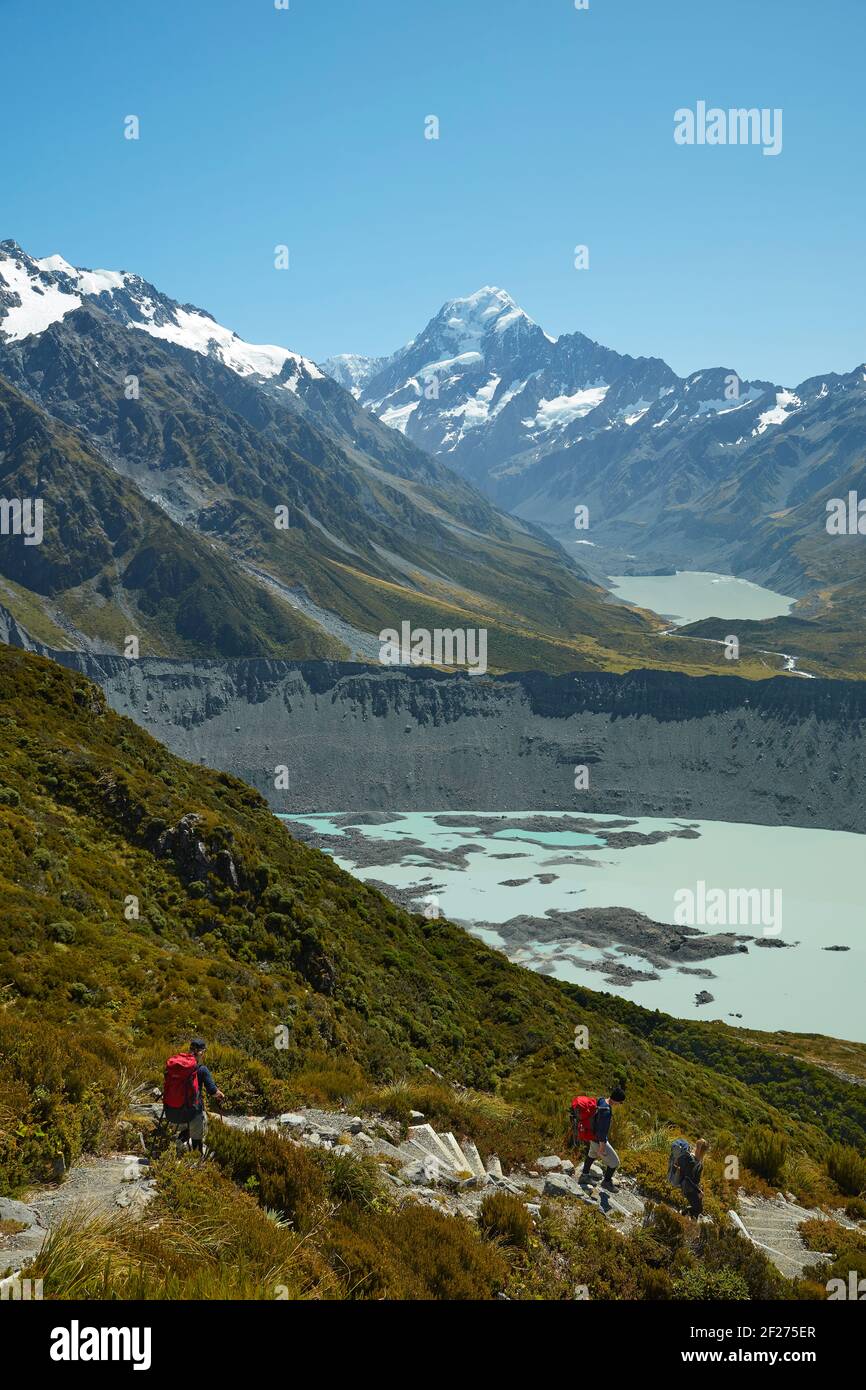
(367,738)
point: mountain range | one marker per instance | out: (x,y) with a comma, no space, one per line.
(708,471)
(164,445)
(436,486)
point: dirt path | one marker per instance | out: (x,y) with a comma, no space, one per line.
(103,1184)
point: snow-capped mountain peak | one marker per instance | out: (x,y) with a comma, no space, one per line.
(352,370)
(35,293)
(482,372)
(488,310)
(485,387)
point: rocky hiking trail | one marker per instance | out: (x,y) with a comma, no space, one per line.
(99,1183)
(426,1166)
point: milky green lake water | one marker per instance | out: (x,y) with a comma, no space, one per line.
(689,595)
(805,988)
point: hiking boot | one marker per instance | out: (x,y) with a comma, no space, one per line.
(584,1172)
(607,1184)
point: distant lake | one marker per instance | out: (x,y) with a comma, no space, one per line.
(689,595)
(800,986)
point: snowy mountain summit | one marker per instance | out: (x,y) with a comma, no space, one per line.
(483,380)
(541,423)
(34,294)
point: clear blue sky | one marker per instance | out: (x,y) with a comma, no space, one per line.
(306,127)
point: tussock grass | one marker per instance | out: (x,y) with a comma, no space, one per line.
(203,1238)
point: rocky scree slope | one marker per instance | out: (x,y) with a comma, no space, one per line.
(776,752)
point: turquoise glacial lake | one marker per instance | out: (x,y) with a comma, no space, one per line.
(799,986)
(689,595)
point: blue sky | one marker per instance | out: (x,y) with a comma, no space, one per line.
(306,127)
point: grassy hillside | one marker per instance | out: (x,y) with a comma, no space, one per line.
(111,562)
(241,929)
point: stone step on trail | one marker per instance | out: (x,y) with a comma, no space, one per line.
(475,1161)
(426,1136)
(410,1150)
(460,1162)
(763,1224)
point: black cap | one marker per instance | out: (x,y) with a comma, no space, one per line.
(618,1092)
(197,1045)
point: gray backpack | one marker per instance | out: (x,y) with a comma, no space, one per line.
(679,1150)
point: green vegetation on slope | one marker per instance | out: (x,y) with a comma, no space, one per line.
(144,899)
(114,563)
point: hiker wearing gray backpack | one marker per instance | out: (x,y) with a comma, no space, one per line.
(597,1133)
(685,1170)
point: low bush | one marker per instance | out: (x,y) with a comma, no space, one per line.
(847,1169)
(504,1217)
(349,1178)
(847,1248)
(412,1253)
(281,1175)
(58,1096)
(701,1284)
(764,1151)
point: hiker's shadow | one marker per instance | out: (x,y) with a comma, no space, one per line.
(593,1188)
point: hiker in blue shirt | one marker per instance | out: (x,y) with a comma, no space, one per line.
(198,1122)
(600,1148)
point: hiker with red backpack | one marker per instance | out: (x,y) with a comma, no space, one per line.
(186,1080)
(591,1122)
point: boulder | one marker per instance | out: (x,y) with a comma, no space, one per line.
(451,1181)
(10,1210)
(293,1120)
(421,1172)
(561,1185)
(550,1164)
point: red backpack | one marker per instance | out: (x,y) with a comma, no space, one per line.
(180,1088)
(583,1110)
